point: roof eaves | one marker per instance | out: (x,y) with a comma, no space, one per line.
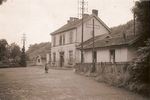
(63,31)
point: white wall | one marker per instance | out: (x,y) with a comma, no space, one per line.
(99,29)
(67,33)
(103,55)
(122,54)
(88,28)
(87,56)
(65,49)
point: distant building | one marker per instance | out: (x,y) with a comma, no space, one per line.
(40,60)
(65,40)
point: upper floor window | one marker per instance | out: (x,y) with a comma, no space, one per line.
(70,57)
(63,38)
(71,37)
(54,57)
(60,40)
(54,41)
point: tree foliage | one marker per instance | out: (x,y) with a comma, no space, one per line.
(3,49)
(1,1)
(140,68)
(38,49)
(126,28)
(142,13)
(23,58)
(9,54)
(15,52)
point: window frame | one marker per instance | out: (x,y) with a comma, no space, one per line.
(112,55)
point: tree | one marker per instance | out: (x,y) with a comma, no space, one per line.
(140,68)
(1,1)
(15,52)
(23,58)
(142,14)
(3,49)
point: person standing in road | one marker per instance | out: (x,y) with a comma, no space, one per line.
(46,68)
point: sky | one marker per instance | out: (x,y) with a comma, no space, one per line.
(38,18)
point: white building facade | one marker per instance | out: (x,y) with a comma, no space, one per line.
(65,40)
(111,49)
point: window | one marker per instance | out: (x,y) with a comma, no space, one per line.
(38,60)
(70,57)
(60,40)
(71,37)
(54,41)
(63,38)
(112,56)
(54,57)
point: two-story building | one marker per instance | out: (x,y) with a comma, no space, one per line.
(65,40)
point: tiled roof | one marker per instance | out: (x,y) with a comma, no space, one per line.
(76,23)
(109,41)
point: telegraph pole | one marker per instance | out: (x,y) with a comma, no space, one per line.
(23,55)
(134,21)
(24,40)
(83,7)
(82,31)
(93,51)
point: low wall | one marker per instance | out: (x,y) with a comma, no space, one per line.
(112,73)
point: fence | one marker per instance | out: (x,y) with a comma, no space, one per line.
(112,73)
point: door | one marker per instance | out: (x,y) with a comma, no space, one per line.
(61,59)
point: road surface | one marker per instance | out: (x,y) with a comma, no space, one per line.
(32,83)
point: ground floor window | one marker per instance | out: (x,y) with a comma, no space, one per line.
(70,57)
(54,57)
(112,56)
(62,60)
(39,61)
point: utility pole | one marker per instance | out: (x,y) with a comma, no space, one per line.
(93,51)
(83,7)
(23,55)
(134,21)
(82,31)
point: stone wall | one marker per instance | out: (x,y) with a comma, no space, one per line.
(112,73)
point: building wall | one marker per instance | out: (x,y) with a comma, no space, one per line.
(65,49)
(88,28)
(67,46)
(66,33)
(48,58)
(122,54)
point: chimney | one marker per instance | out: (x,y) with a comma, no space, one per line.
(72,19)
(95,12)
(85,15)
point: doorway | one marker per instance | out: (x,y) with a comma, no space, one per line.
(61,59)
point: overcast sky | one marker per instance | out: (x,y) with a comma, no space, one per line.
(38,18)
